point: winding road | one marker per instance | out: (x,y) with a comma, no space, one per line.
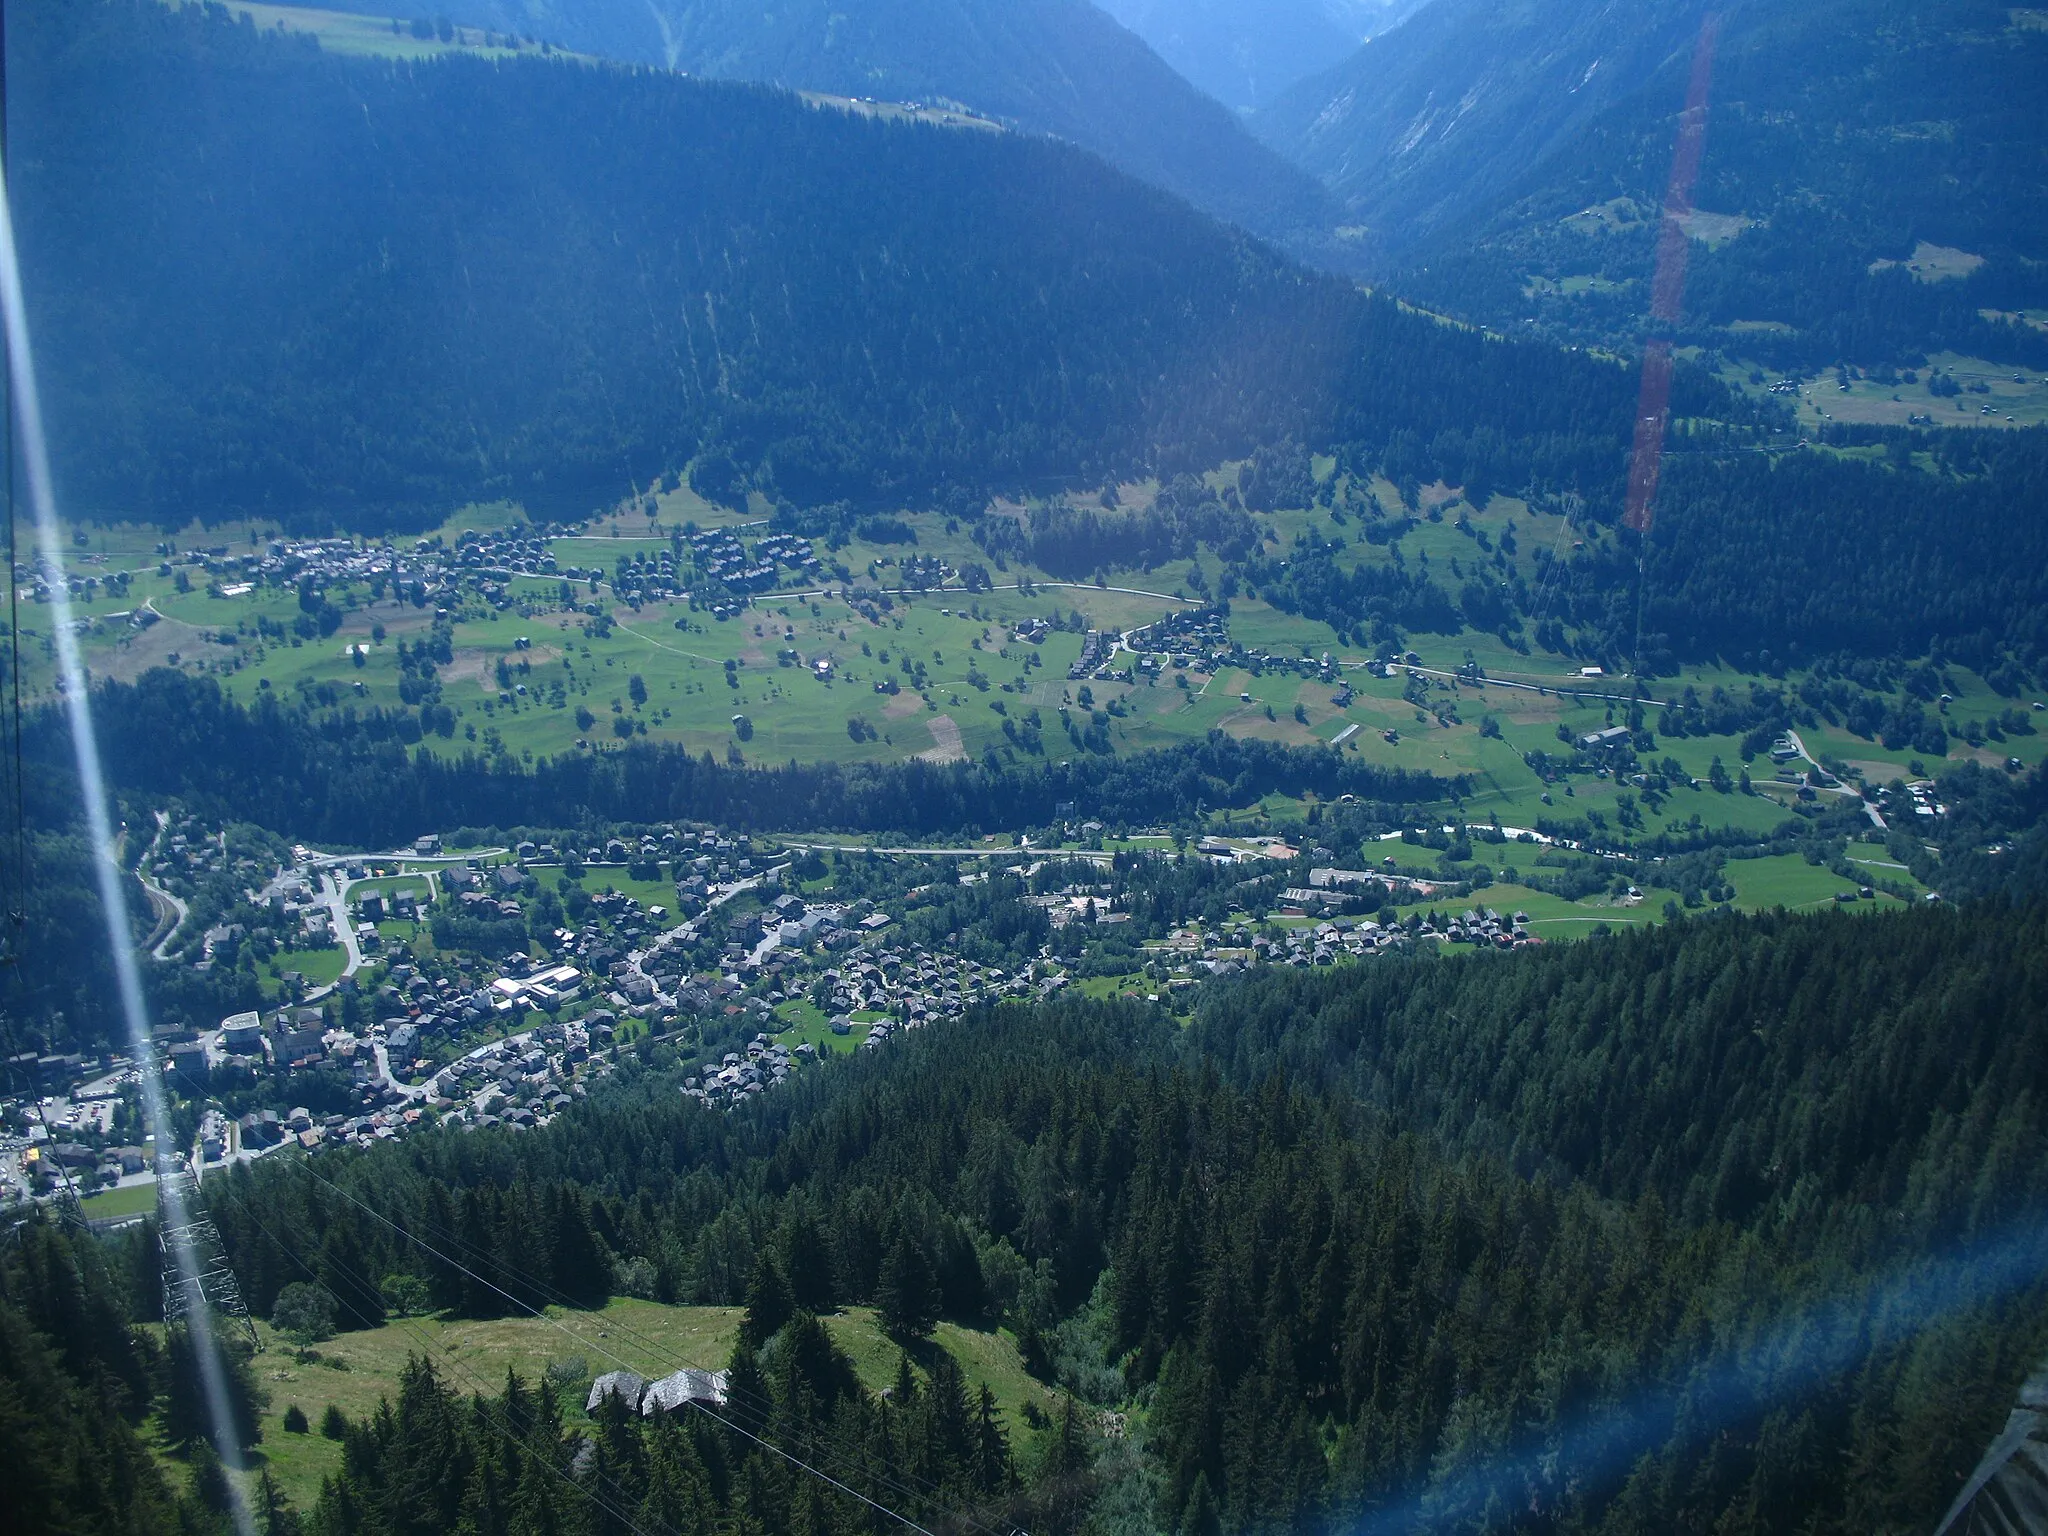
(166,906)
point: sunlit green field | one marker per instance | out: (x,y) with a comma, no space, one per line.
(748,688)
(358,1370)
(1787,880)
(318,966)
(129,1200)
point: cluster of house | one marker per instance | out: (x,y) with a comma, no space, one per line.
(914,986)
(764,1064)
(311,1132)
(725,562)
(525,1080)
(1222,952)
(1095,651)
(788,549)
(1184,638)
(425,574)
(295,1039)
(187,855)
(1323,943)
(47,1164)
(187,850)
(1201,640)
(487,560)
(908,990)
(1924,801)
(430,573)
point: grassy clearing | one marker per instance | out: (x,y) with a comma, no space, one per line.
(1786,880)
(1995,395)
(1130,985)
(1931,263)
(128,1200)
(356,1371)
(379,37)
(389,886)
(807,1025)
(318,966)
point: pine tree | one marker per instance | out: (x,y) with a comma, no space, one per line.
(582,1272)
(273,1516)
(769,1305)
(992,1469)
(908,1295)
(807,1262)
(1199,1517)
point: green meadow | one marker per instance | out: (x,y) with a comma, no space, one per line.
(356,1371)
(802,676)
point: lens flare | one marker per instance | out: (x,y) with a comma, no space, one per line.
(1772,1365)
(34,462)
(1653,406)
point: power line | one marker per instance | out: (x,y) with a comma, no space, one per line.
(815,1471)
(361,1286)
(846,1452)
(15,912)
(16,916)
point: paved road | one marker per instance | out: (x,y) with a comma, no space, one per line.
(1562,687)
(164,903)
(334,897)
(1000,586)
(1869,810)
(958,853)
(159,898)
(328,869)
(636,960)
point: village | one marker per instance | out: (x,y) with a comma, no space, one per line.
(438,988)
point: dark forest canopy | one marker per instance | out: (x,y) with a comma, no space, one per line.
(1058,67)
(1339,1291)
(358,292)
(1803,554)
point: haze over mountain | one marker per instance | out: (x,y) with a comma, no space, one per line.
(855,744)
(1520,154)
(1444,115)
(1061,67)
(838,306)
(1246,53)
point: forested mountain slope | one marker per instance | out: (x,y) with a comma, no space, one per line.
(1246,53)
(1874,170)
(1444,115)
(1060,67)
(1769,1067)
(1315,1293)
(274,281)
(358,293)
